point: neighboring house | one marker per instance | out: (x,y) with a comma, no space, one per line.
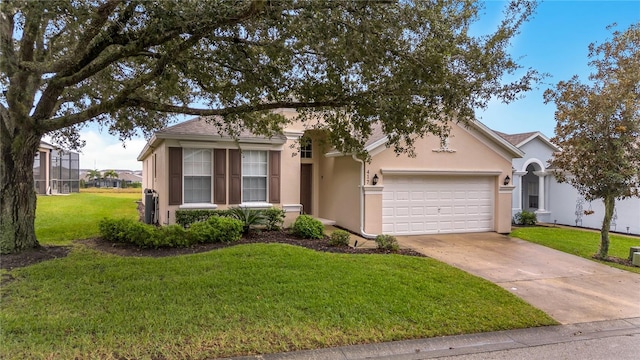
(126,178)
(538,191)
(56,171)
(457,185)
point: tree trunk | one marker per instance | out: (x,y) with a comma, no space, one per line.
(609,204)
(17,192)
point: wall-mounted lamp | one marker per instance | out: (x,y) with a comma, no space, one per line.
(374,181)
(506,180)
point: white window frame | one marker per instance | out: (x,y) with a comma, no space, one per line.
(199,204)
(247,175)
(306,151)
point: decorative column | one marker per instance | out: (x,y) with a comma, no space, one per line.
(517,180)
(541,175)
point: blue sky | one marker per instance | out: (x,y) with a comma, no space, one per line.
(555,41)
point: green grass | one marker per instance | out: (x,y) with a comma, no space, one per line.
(62,219)
(258,298)
(579,242)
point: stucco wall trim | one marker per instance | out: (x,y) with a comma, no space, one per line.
(440,172)
(506,189)
(373,189)
(198,206)
(293,208)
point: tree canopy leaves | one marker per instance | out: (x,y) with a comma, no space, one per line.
(598,126)
(131,64)
(408,66)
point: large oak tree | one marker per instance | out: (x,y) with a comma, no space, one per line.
(131,65)
(598,126)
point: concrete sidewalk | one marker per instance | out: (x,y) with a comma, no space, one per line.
(616,339)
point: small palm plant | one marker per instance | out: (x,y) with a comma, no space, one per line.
(110,174)
(249,217)
(94,176)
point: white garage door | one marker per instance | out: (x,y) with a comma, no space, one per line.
(414,205)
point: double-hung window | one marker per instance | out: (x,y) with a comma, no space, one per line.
(254,176)
(197,175)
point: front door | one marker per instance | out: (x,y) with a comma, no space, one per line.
(306,171)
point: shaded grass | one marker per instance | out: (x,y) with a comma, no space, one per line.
(61,219)
(246,299)
(579,242)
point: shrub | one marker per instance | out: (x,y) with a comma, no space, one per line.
(216,229)
(308,228)
(143,235)
(248,217)
(274,218)
(387,242)
(525,218)
(188,217)
(175,236)
(229,229)
(201,232)
(339,238)
(114,230)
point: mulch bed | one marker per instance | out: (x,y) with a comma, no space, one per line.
(33,256)
(617,260)
(43,253)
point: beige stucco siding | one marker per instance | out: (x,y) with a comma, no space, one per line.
(339,191)
(289,181)
(468,153)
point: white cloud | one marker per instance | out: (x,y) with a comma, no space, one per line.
(103,151)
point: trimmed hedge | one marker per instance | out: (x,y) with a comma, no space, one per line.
(187,217)
(215,229)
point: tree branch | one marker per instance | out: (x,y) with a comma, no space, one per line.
(167,108)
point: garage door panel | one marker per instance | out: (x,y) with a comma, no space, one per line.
(437,204)
(417,196)
(402,211)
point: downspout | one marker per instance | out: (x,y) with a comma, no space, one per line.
(362,232)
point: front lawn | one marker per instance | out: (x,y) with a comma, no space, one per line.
(579,242)
(62,219)
(256,298)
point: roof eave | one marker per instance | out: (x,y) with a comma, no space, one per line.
(544,139)
(158,137)
(512,149)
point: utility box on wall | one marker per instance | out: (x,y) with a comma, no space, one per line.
(636,259)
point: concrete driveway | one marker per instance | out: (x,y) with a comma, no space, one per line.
(568,288)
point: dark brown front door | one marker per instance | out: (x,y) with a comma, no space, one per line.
(305,187)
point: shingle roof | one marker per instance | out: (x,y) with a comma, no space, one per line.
(376,134)
(200,126)
(515,139)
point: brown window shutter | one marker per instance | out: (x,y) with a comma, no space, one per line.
(220,176)
(235,177)
(175,176)
(274,177)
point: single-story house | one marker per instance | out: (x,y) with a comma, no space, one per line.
(458,184)
(536,190)
(55,171)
